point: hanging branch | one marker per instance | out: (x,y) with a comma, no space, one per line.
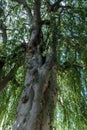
(27,8)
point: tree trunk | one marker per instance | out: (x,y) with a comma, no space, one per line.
(37,103)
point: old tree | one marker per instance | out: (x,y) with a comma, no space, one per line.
(43,64)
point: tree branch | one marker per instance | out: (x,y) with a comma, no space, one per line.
(37,16)
(79,66)
(65,7)
(36,25)
(54,6)
(68,65)
(2,25)
(4,33)
(1,66)
(8,77)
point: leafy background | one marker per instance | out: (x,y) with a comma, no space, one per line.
(71,32)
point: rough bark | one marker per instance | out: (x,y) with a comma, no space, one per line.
(37,103)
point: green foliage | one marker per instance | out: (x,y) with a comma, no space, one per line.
(69,24)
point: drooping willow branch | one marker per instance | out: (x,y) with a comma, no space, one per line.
(27,8)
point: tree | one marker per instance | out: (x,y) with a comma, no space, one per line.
(47,40)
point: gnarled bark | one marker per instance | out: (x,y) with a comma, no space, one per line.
(37,103)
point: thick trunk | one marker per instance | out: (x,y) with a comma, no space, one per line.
(37,103)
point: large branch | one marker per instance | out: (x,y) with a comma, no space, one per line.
(11,74)
(37,14)
(36,25)
(8,77)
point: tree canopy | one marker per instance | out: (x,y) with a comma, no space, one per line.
(64,27)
